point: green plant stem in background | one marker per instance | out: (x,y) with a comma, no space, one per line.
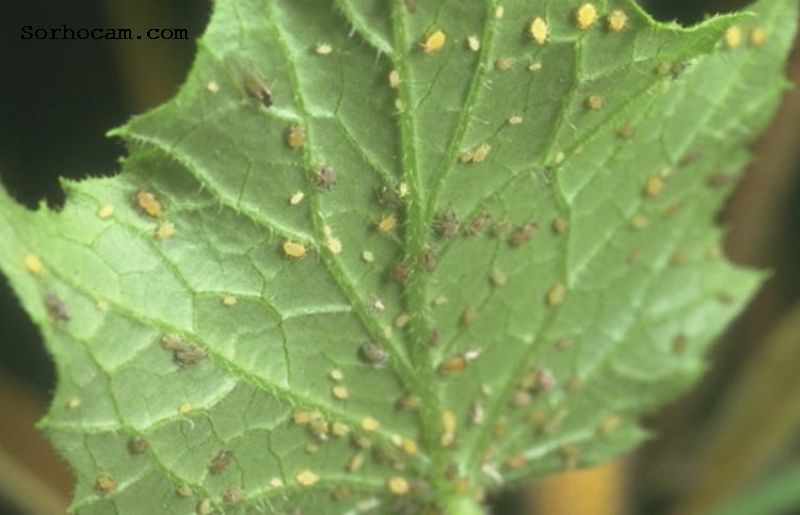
(778,494)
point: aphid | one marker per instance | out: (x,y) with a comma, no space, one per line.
(311,448)
(586,15)
(165,231)
(400,273)
(378,305)
(653,186)
(617,21)
(368,256)
(477,415)
(468,316)
(325,177)
(476,155)
(521,398)
(276,482)
(319,427)
(257,88)
(149,204)
(556,294)
(296,137)
(402,320)
(233,495)
(639,222)
(341,493)
(429,259)
(394,79)
(323,49)
(447,224)
(609,425)
(74,403)
(228,300)
(634,257)
(56,308)
(336,375)
(212,87)
(185,408)
(523,234)
(221,461)
(678,258)
(333,243)
(499,12)
(434,42)
(473,43)
(535,67)
(294,250)
(386,223)
(373,354)
(339,430)
(137,445)
(595,102)
(733,37)
(453,365)
(679,344)
(340,392)
(478,224)
(448,428)
(370,424)
(105,483)
(105,211)
(545,380)
(539,31)
(306,478)
(409,446)
(498,278)
(516,462)
(409,403)
(713,252)
(33,264)
(758,36)
(502,64)
(355,462)
(626,131)
(183,491)
(559,226)
(398,485)
(204,507)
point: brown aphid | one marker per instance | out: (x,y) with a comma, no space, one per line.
(545,380)
(137,445)
(187,355)
(233,495)
(679,344)
(626,131)
(653,186)
(720,180)
(435,337)
(478,224)
(183,491)
(523,234)
(559,226)
(447,224)
(498,278)
(453,365)
(149,204)
(468,316)
(501,228)
(325,177)
(609,425)
(429,259)
(373,354)
(634,257)
(387,223)
(503,64)
(400,273)
(388,196)
(341,493)
(221,461)
(296,137)
(55,307)
(516,462)
(257,88)
(105,483)
(595,102)
(204,507)
(409,403)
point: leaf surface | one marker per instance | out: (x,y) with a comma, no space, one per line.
(378,255)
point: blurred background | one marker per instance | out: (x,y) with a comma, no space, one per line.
(732,447)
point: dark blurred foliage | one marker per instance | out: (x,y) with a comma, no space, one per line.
(60,97)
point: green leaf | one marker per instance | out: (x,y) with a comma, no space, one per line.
(504,253)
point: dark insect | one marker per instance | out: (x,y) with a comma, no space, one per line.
(388,196)
(325,177)
(56,308)
(429,259)
(400,273)
(478,224)
(447,224)
(257,88)
(372,354)
(221,461)
(523,234)
(137,445)
(184,353)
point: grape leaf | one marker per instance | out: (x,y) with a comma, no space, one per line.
(380,256)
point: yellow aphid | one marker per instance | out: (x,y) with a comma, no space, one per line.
(368,256)
(228,300)
(339,430)
(398,485)
(402,320)
(323,49)
(204,507)
(394,79)
(306,478)
(477,155)
(434,42)
(499,12)
(370,424)
(336,375)
(333,244)
(276,482)
(474,43)
(355,462)
(183,491)
(340,392)
(105,211)
(539,31)
(212,87)
(387,223)
(556,294)
(448,428)
(586,16)
(33,264)
(535,67)
(185,407)
(302,418)
(74,403)
(733,37)
(409,446)
(515,120)
(105,483)
(294,250)
(296,137)
(653,186)
(617,21)
(594,102)
(165,231)
(758,36)
(296,198)
(149,204)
